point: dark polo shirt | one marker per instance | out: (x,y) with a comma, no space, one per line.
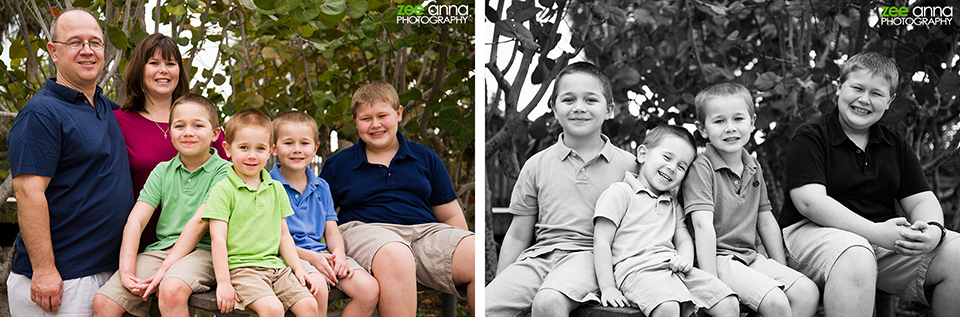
(59,135)
(868,182)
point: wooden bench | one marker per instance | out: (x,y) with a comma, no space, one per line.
(208,301)
(886,306)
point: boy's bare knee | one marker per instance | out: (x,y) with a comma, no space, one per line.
(775,303)
(728,306)
(394,258)
(804,293)
(174,291)
(856,267)
(103,306)
(549,302)
(670,308)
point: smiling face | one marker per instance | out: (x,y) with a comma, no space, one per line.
(862,99)
(295,147)
(191,130)
(249,152)
(664,166)
(77,69)
(377,124)
(160,76)
(727,123)
(580,106)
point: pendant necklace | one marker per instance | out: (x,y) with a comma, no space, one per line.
(158,125)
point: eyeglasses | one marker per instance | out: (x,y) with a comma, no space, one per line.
(78,45)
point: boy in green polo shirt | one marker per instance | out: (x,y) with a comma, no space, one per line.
(247,253)
(181,185)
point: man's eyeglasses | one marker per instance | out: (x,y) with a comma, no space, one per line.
(78,45)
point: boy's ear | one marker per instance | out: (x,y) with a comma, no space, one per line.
(226,148)
(400,114)
(641,153)
(316,147)
(609,112)
(700,128)
(216,133)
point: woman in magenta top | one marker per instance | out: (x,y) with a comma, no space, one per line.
(155,78)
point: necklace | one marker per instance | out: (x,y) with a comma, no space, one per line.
(150,117)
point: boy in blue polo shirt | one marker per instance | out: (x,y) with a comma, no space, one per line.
(546,263)
(725,196)
(296,140)
(398,211)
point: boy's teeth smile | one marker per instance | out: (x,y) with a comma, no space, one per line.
(859,110)
(664,176)
(378,133)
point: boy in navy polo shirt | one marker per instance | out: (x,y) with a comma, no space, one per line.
(296,140)
(845,175)
(399,214)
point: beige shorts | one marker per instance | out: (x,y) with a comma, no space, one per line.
(196,269)
(252,283)
(813,250)
(693,290)
(432,245)
(309,268)
(753,282)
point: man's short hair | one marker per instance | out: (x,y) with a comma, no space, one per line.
(876,64)
(722,90)
(246,118)
(656,135)
(53,24)
(295,117)
(207,105)
(373,92)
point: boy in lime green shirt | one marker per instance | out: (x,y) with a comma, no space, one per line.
(247,253)
(181,185)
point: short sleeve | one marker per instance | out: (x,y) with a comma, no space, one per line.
(912,179)
(764,197)
(442,191)
(219,204)
(523,200)
(34,144)
(613,203)
(698,192)
(152,192)
(805,161)
(326,202)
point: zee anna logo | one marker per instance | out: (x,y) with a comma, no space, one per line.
(916,16)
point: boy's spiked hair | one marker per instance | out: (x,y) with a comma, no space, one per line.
(246,118)
(656,135)
(207,105)
(295,117)
(372,92)
(583,68)
(876,64)
(721,90)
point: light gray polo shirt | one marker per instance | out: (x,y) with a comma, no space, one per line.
(561,188)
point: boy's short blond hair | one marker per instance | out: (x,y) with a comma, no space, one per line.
(246,118)
(372,92)
(212,113)
(876,64)
(588,69)
(295,117)
(656,135)
(721,90)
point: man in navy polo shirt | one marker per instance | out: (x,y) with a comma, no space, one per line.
(71,177)
(399,215)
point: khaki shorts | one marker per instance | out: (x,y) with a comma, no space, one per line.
(813,250)
(432,245)
(309,268)
(195,269)
(695,289)
(753,282)
(252,283)
(512,292)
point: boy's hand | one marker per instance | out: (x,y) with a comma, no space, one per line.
(680,264)
(154,282)
(322,264)
(134,285)
(305,280)
(342,268)
(923,239)
(611,296)
(887,233)
(226,297)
